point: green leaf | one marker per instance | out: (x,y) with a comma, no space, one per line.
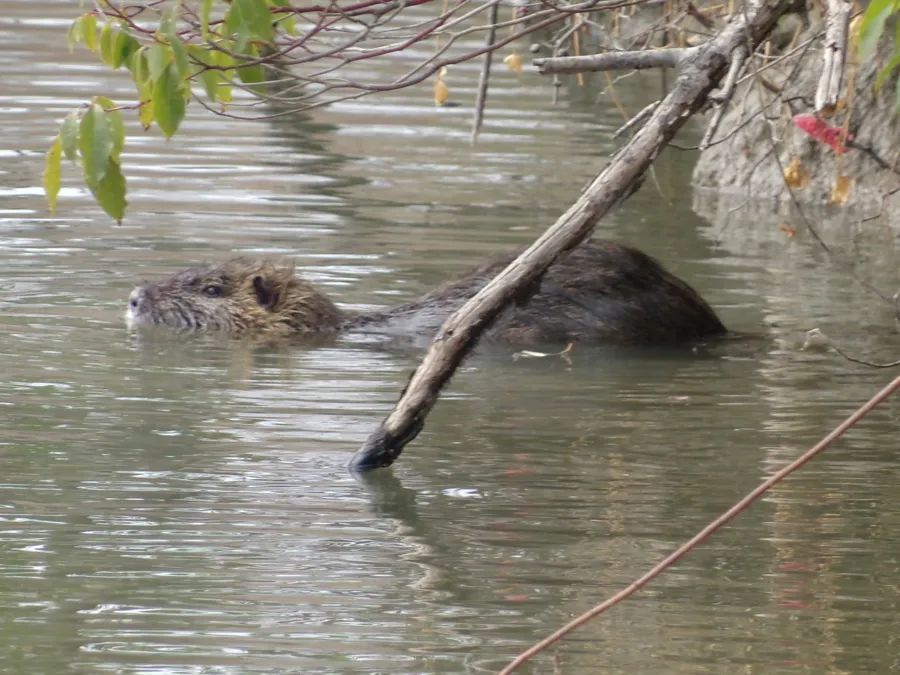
(168,101)
(872,25)
(116,125)
(53,173)
(159,56)
(138,66)
(95,140)
(69,136)
(201,59)
(180,54)
(256,14)
(252,75)
(236,26)
(116,46)
(110,192)
(124,45)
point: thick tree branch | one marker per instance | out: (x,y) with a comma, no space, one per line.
(459,334)
(637,60)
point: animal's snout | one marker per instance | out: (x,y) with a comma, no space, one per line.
(142,297)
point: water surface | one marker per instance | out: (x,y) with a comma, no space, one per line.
(182,506)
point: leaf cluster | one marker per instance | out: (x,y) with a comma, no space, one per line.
(94,137)
(164,63)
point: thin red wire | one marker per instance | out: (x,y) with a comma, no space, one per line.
(701,536)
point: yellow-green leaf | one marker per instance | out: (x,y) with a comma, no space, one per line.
(68,135)
(52,173)
(89,31)
(889,68)
(110,192)
(76,30)
(145,113)
(205,11)
(106,43)
(95,140)
(872,26)
(226,63)
(210,80)
(286,21)
(137,65)
(168,101)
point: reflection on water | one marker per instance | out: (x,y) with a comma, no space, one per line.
(176,506)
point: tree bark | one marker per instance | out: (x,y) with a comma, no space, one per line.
(829,90)
(698,75)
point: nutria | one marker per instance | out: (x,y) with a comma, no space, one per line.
(600,292)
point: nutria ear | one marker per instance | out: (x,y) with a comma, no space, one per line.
(268,291)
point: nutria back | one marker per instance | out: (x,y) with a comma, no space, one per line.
(600,292)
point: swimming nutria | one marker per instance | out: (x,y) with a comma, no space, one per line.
(600,292)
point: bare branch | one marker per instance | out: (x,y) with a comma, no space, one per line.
(637,60)
(723,96)
(834,54)
(481,98)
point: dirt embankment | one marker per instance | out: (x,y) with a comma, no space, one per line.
(761,143)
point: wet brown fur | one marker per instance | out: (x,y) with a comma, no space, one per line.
(600,292)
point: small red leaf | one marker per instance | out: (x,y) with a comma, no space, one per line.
(818,129)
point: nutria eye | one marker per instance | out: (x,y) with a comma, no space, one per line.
(212,291)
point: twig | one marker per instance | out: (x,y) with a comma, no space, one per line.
(738,58)
(880,212)
(707,531)
(484,77)
(816,339)
(829,89)
(637,119)
(704,20)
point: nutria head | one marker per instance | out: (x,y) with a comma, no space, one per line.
(241,296)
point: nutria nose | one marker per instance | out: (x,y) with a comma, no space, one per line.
(136,296)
